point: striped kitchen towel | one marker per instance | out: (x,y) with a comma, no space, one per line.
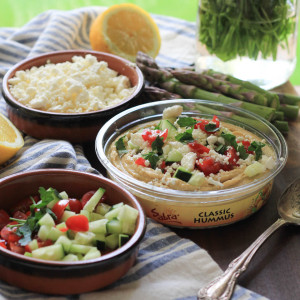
(168,267)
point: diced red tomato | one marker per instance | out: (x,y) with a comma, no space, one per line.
(216,120)
(27,248)
(198,148)
(59,208)
(75,205)
(201,123)
(4,218)
(13,237)
(20,215)
(44,243)
(24,205)
(151,135)
(3,244)
(63,229)
(233,157)
(78,223)
(140,161)
(208,166)
(15,247)
(247,145)
(86,197)
(6,231)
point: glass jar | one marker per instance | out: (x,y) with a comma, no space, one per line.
(253,40)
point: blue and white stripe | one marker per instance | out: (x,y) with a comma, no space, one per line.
(167,267)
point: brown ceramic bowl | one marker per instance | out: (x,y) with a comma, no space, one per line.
(75,127)
(58,277)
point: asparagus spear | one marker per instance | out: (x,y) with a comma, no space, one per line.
(289,99)
(154,93)
(290,111)
(273,99)
(225,87)
(191,91)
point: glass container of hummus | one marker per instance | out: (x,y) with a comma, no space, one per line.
(193,163)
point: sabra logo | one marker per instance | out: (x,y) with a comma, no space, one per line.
(169,216)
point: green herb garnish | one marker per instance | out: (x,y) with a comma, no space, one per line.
(186,122)
(242,152)
(25,229)
(221,149)
(185,137)
(157,145)
(211,127)
(120,145)
(230,139)
(153,158)
(257,148)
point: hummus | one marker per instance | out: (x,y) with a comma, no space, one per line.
(190,153)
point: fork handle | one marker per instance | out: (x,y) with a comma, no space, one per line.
(221,288)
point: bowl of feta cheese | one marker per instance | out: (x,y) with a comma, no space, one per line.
(193,163)
(69,94)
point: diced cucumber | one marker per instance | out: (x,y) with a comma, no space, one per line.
(84,238)
(113,213)
(61,225)
(33,244)
(44,232)
(131,145)
(123,239)
(65,242)
(28,254)
(172,130)
(99,241)
(64,195)
(54,234)
(85,213)
(254,169)
(197,179)
(120,204)
(93,201)
(128,216)
(52,203)
(53,252)
(79,249)
(182,174)
(93,253)
(98,226)
(174,156)
(114,226)
(102,208)
(95,216)
(112,241)
(70,257)
(66,215)
(47,220)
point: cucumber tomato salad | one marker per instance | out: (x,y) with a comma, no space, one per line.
(54,226)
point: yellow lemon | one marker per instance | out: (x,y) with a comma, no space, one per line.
(11,140)
(124,29)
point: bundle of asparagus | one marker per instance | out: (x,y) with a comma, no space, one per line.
(167,83)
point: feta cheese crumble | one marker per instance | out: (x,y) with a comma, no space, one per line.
(82,85)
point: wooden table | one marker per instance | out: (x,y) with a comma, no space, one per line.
(274,272)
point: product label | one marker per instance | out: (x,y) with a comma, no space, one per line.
(205,215)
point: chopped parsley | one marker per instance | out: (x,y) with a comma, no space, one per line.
(153,158)
(186,122)
(242,152)
(211,127)
(230,139)
(185,137)
(30,225)
(257,148)
(120,145)
(221,149)
(157,145)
